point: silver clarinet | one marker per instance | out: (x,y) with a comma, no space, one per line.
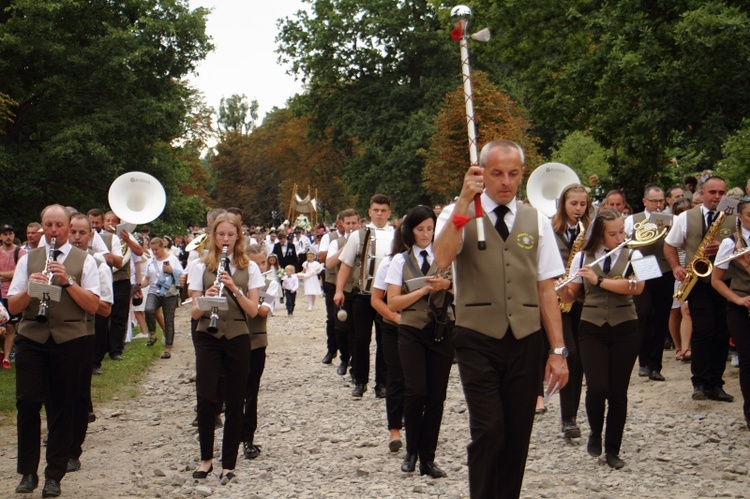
(41,315)
(213,325)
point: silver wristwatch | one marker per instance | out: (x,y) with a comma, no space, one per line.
(559,351)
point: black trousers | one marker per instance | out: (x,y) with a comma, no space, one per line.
(500,379)
(331,311)
(394,392)
(83,406)
(257,365)
(290,300)
(345,331)
(118,319)
(48,374)
(739,326)
(710,342)
(426,365)
(111,331)
(608,354)
(363,317)
(570,395)
(653,307)
(213,356)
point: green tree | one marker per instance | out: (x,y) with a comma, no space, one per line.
(236,115)
(644,78)
(735,167)
(99,91)
(375,73)
(584,155)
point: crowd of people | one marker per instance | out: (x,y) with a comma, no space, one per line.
(438,286)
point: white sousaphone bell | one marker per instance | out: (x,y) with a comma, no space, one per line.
(545,185)
(136,198)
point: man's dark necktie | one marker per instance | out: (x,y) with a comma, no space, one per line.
(500,226)
(55,254)
(425,264)
(709,219)
(607,265)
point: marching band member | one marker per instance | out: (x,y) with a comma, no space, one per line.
(572,208)
(258,343)
(498,338)
(608,337)
(389,321)
(737,295)
(426,359)
(654,305)
(229,349)
(710,341)
(362,313)
(49,355)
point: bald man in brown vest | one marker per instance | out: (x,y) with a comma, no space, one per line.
(498,311)
(49,363)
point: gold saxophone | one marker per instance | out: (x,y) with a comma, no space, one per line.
(574,249)
(700,265)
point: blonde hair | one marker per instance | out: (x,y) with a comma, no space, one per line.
(289,267)
(211,258)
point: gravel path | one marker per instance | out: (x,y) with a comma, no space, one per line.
(319,441)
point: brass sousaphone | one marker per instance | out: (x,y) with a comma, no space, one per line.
(136,198)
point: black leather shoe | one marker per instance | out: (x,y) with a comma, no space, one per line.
(28,484)
(116,356)
(341,370)
(571,429)
(409,463)
(656,376)
(51,488)
(218,424)
(431,469)
(380,391)
(92,417)
(200,475)
(699,393)
(97,371)
(73,465)
(643,371)
(251,451)
(594,447)
(328,358)
(718,393)
(359,390)
(394,445)
(614,461)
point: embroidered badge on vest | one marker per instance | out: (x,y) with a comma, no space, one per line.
(725,232)
(525,241)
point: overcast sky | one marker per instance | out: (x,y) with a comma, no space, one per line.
(244,60)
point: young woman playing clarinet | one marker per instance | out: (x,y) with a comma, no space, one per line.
(228,348)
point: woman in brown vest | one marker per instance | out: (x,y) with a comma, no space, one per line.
(738,296)
(572,209)
(227,350)
(426,362)
(608,335)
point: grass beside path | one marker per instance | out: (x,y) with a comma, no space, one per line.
(119,379)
